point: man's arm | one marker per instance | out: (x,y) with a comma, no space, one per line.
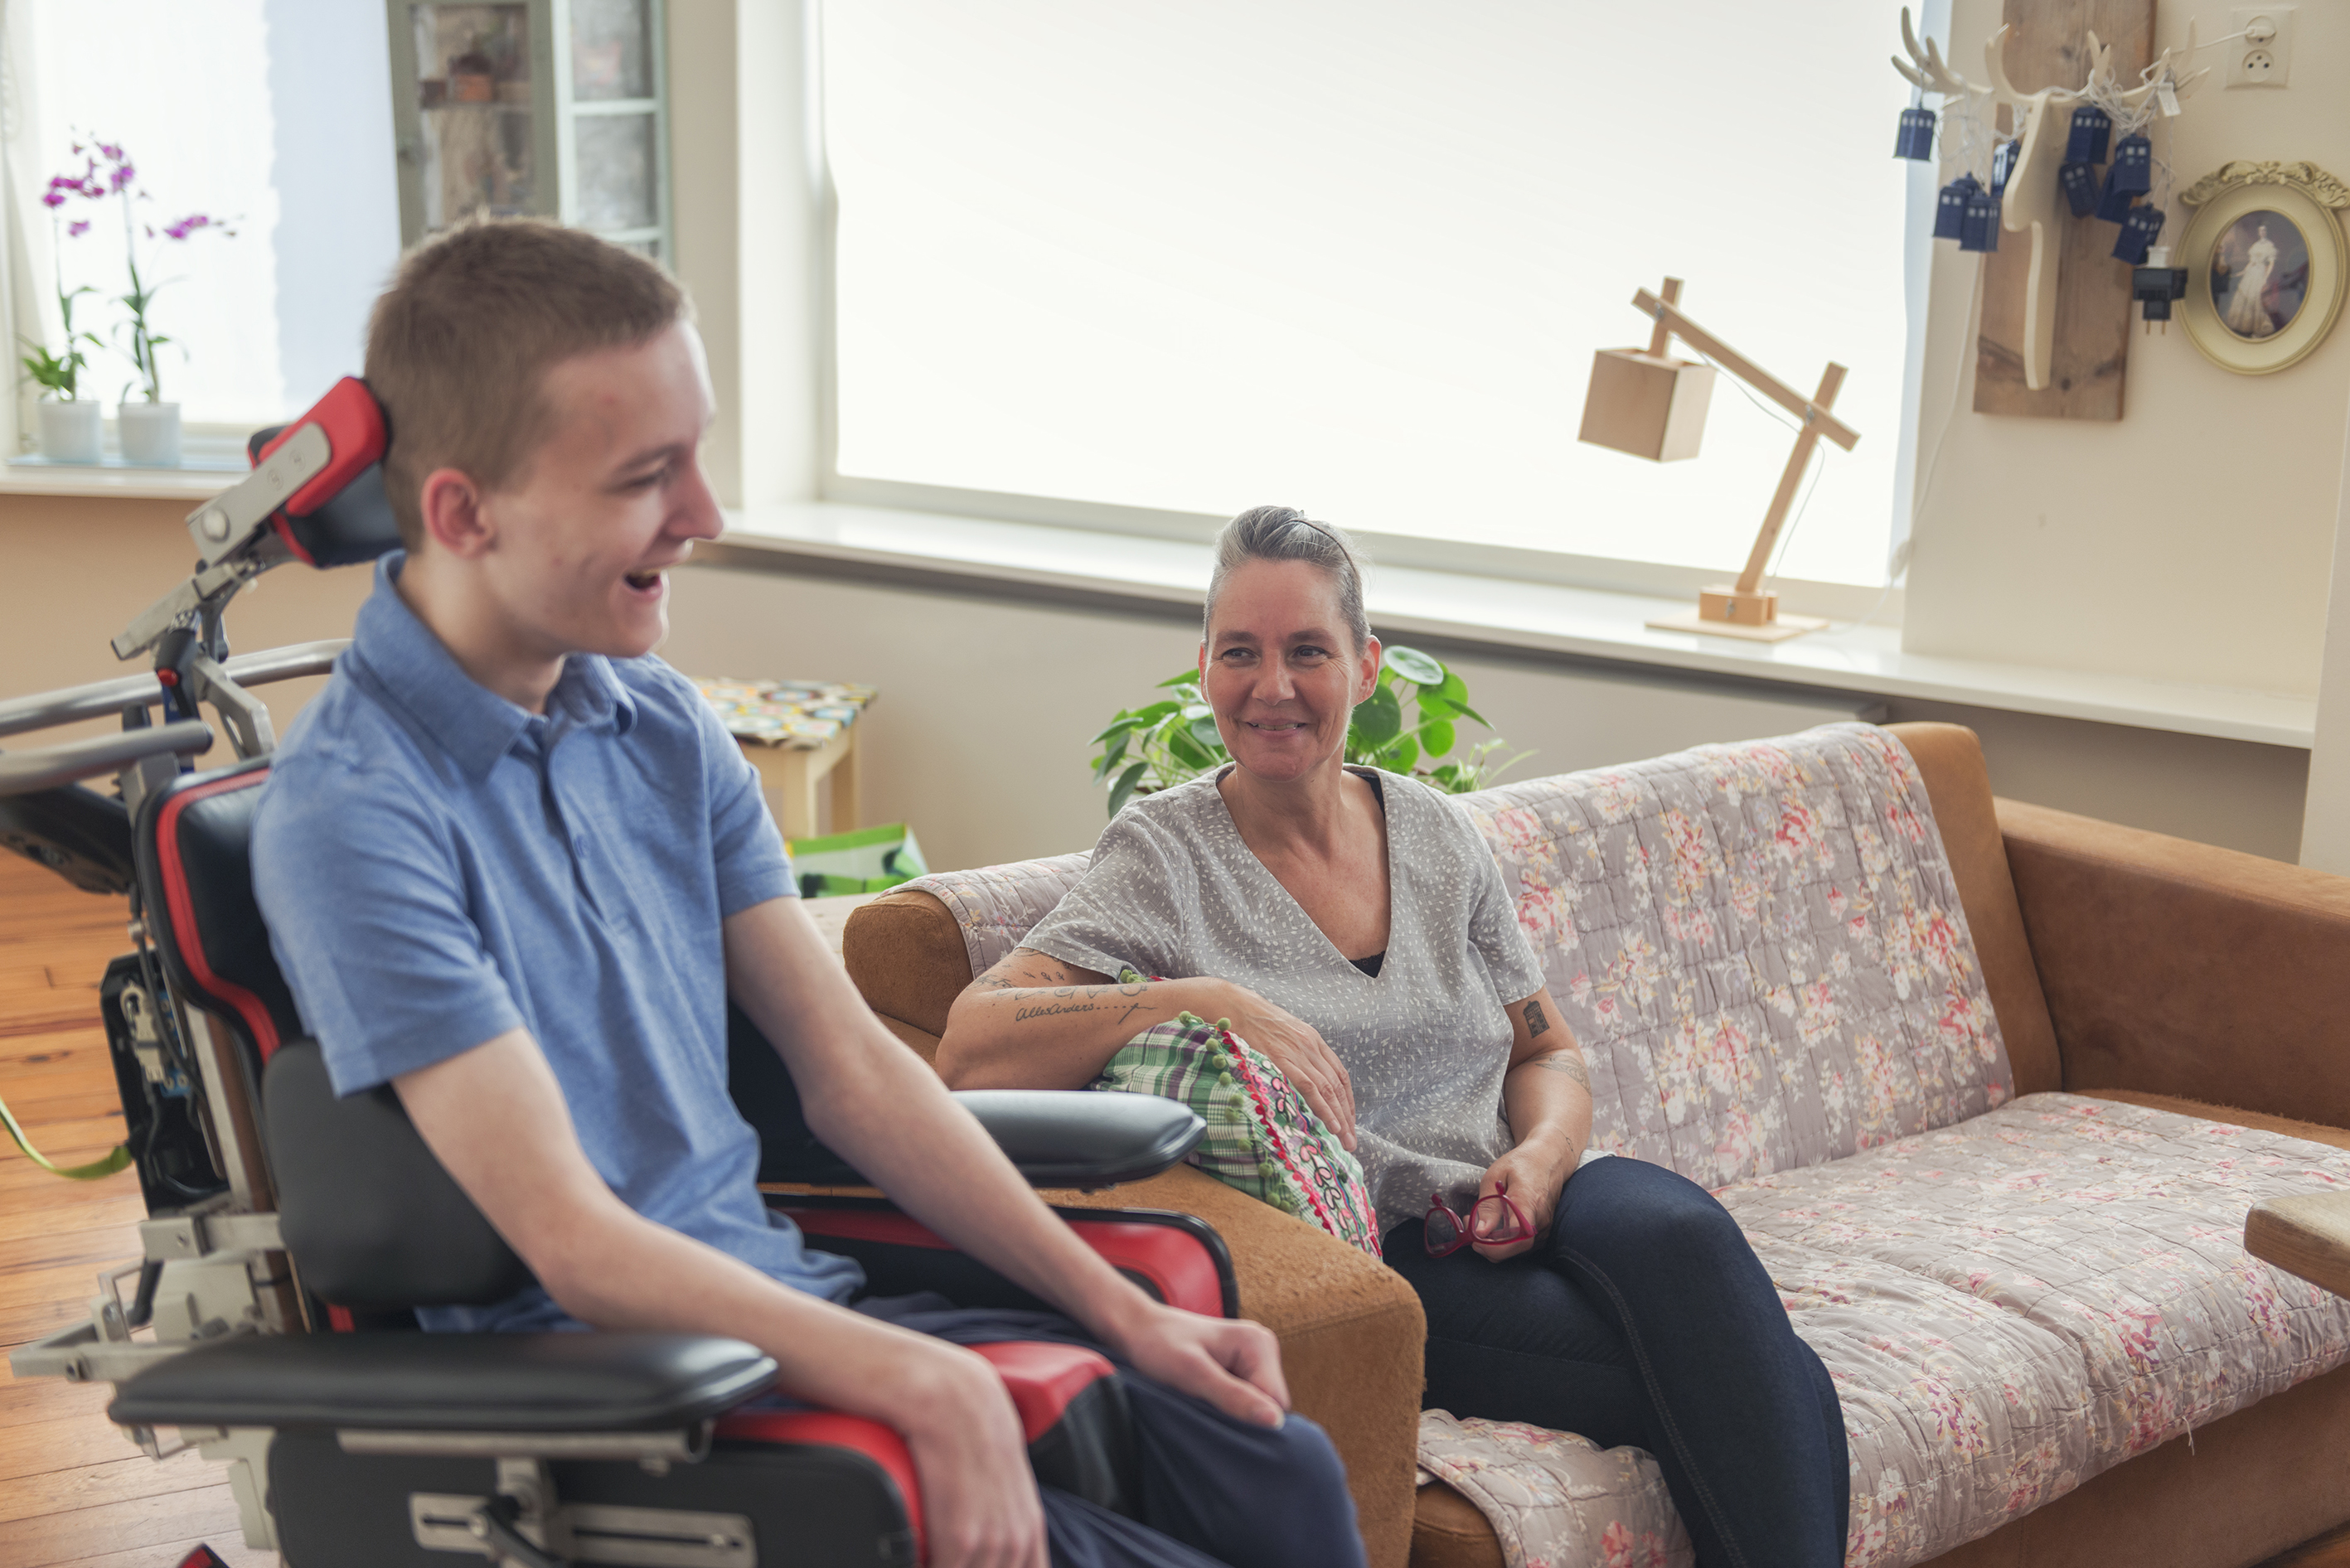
(881,1108)
(496,1118)
(1547,1095)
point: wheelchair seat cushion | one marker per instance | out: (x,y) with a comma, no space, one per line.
(448,1382)
(1261,1136)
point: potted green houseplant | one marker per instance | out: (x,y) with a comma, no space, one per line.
(1168,742)
(149,428)
(67,422)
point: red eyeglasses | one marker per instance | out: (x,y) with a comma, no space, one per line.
(1446,1232)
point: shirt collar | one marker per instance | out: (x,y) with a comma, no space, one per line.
(400,655)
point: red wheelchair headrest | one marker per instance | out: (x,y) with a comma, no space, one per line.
(339,516)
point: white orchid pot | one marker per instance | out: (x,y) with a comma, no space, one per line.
(150,434)
(69,431)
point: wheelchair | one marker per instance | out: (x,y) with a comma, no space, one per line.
(292,1235)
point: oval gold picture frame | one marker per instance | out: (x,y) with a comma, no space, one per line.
(2307,197)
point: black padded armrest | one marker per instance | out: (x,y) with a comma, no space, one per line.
(1057,1137)
(448,1382)
(1078,1137)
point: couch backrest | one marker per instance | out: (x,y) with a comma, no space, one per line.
(1764,947)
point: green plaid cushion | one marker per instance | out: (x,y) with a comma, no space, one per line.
(1262,1138)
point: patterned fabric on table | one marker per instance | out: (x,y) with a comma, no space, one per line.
(2008,1307)
(1262,1138)
(1760,947)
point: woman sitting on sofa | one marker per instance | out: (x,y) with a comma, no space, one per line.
(1353,927)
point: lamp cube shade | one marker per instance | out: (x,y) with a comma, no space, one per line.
(1647,405)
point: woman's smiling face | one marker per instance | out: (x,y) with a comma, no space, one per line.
(1281,670)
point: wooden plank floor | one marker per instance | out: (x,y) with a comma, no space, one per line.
(74,1494)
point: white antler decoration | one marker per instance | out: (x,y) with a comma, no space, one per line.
(2042,122)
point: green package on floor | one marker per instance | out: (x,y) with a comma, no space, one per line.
(865,861)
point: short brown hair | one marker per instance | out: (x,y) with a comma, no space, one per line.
(459,347)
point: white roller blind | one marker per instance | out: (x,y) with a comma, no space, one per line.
(1356,256)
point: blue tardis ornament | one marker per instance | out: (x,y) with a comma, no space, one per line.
(1950,209)
(1979,232)
(2140,229)
(2002,164)
(2133,169)
(2079,183)
(1916,137)
(2113,205)
(2092,127)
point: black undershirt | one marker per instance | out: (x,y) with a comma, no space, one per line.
(1370,966)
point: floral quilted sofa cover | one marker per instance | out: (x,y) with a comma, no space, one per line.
(1762,950)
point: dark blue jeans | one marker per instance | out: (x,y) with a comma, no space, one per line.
(1645,1318)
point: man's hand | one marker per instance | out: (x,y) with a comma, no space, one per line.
(1534,1173)
(1233,1363)
(1300,1051)
(979,1497)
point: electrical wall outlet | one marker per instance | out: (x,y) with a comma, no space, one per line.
(2262,55)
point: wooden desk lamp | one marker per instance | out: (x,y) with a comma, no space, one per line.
(1651,405)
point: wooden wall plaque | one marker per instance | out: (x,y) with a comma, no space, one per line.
(2049,47)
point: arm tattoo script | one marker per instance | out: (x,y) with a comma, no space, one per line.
(1538,1025)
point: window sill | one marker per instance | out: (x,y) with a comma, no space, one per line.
(1582,623)
(189,485)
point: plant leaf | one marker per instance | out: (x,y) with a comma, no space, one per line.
(1123,725)
(1377,720)
(1400,755)
(1436,705)
(1184,748)
(1157,710)
(1204,731)
(1414,666)
(1188,676)
(1111,756)
(1435,736)
(1123,790)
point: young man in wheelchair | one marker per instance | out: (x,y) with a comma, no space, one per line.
(514,867)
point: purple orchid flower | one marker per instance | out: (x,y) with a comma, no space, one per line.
(52,198)
(120,176)
(77,228)
(188,225)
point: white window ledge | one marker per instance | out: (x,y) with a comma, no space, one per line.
(125,483)
(1581,622)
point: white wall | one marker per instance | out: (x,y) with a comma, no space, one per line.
(979,737)
(2191,540)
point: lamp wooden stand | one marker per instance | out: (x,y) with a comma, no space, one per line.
(1745,609)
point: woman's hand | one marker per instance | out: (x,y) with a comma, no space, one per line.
(1534,1174)
(1299,1051)
(979,1495)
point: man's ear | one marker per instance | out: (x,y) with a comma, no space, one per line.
(452,507)
(1369,674)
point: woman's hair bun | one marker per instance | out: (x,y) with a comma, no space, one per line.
(1286,534)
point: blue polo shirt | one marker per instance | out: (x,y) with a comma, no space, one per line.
(438,866)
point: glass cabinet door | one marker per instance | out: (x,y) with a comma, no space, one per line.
(556,107)
(615,123)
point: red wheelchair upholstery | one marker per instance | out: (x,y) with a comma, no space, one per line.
(374,1227)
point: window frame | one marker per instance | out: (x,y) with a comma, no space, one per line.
(1882,602)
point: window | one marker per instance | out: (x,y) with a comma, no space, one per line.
(274,115)
(1354,255)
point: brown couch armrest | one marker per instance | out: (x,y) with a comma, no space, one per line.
(906,955)
(1351,1334)
(2183,969)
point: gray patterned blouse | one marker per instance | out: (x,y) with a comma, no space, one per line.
(1173,890)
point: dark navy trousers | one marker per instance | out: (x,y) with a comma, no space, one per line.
(1215,1490)
(1644,1318)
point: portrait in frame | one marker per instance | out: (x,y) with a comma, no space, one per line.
(2266,263)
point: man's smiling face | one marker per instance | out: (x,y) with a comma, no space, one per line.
(613,496)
